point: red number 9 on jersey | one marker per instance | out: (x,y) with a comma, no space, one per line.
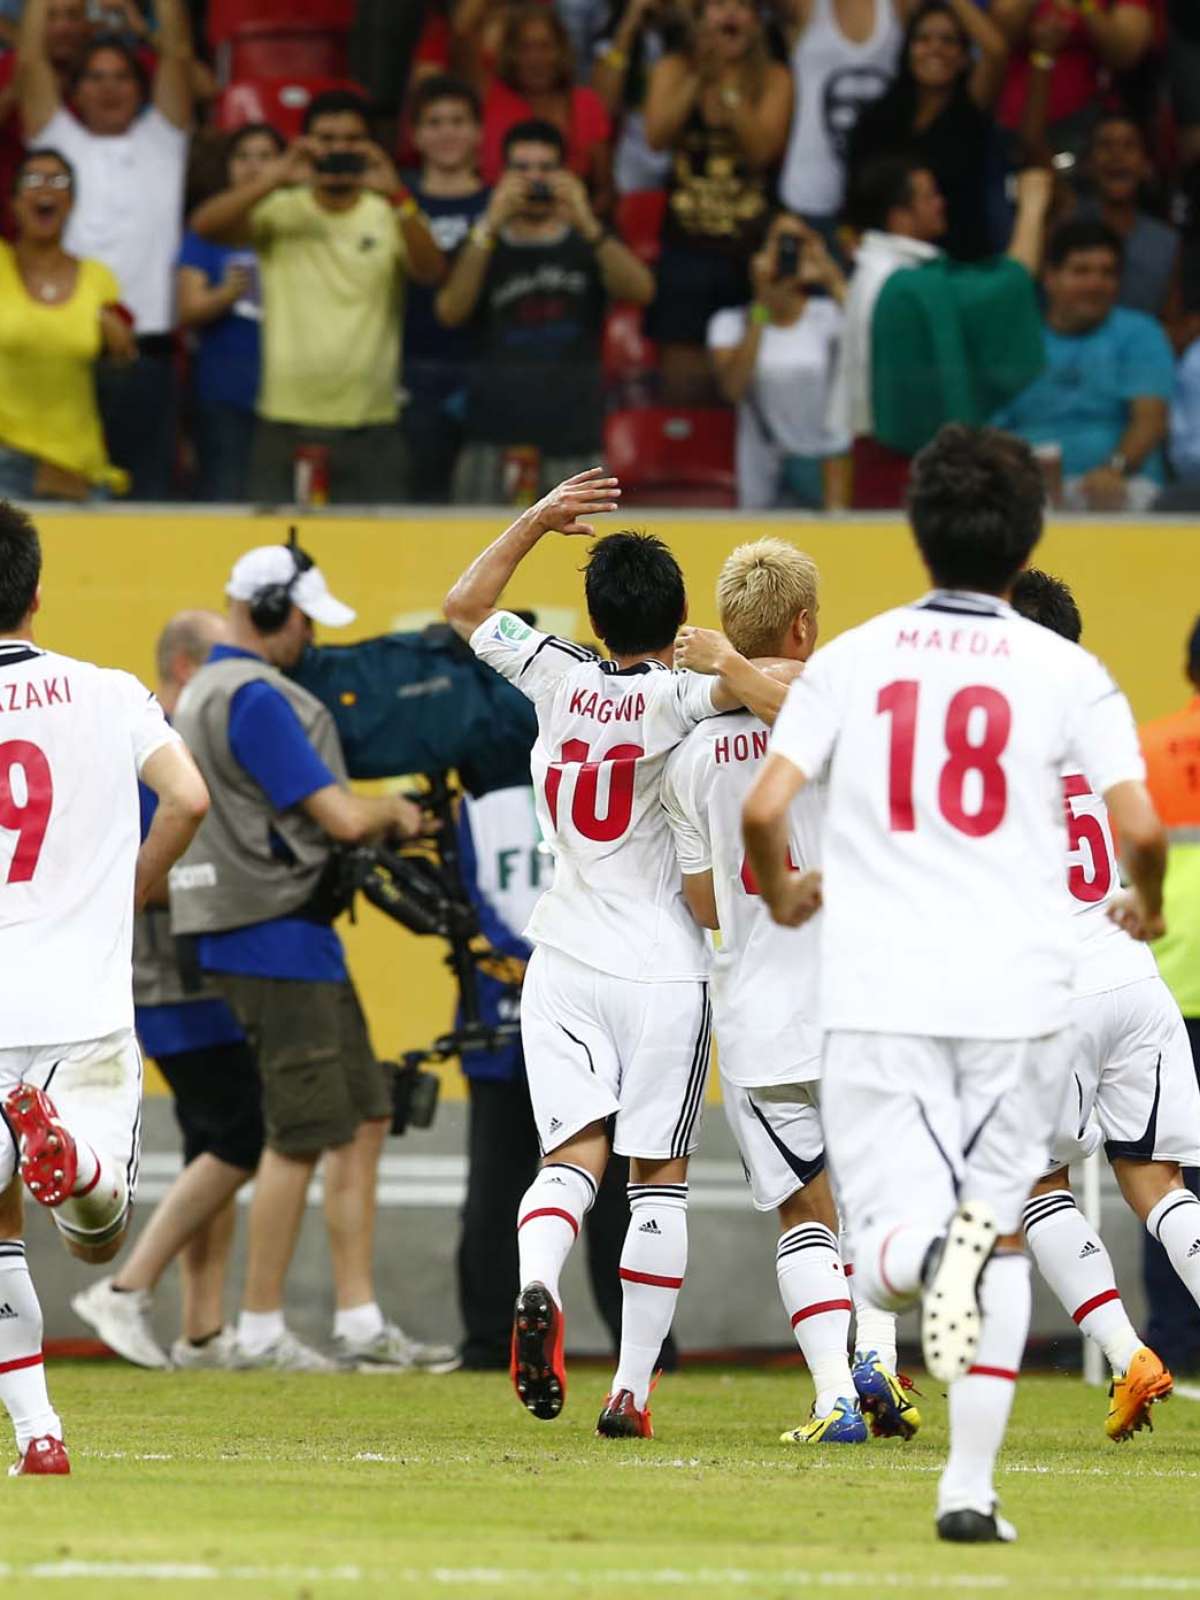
(28,816)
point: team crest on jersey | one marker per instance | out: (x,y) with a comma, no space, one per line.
(512,630)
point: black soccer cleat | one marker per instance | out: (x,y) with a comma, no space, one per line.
(975,1527)
(537,1368)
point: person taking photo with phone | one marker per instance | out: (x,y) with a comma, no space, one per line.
(774,360)
(337,236)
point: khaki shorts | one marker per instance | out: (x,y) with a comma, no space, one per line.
(319,1074)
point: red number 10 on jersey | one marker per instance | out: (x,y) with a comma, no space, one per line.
(621,761)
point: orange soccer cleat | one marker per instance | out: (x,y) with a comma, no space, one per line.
(49,1159)
(44,1458)
(1146,1380)
(537,1366)
(621,1419)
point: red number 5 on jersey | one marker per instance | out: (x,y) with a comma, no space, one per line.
(26,795)
(964,755)
(1086,829)
(621,761)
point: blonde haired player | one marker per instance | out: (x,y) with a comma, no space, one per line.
(764,1000)
(74,739)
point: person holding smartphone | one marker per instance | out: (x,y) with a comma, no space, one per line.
(337,236)
(774,360)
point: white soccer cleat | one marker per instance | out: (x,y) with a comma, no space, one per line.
(950,1321)
(392,1349)
(122,1321)
(216,1355)
(285,1354)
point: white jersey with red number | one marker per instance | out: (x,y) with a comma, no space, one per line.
(73,739)
(604,735)
(764,978)
(1108,957)
(945,726)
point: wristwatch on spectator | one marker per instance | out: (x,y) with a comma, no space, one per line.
(482,236)
(1119,462)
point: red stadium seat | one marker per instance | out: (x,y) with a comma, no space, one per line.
(639,222)
(227,19)
(672,457)
(280,101)
(627,353)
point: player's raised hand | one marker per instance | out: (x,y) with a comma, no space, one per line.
(701,650)
(1127,911)
(567,508)
(796,899)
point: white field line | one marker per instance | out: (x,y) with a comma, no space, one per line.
(1186,1391)
(672,1578)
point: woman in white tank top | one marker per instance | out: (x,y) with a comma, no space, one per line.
(844,54)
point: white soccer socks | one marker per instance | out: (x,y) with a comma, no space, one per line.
(548,1222)
(817,1300)
(888,1262)
(95,1212)
(1175,1223)
(1071,1256)
(980,1402)
(22,1373)
(653,1263)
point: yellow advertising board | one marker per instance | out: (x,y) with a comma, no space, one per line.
(113,578)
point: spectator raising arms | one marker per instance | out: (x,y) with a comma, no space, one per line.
(128,144)
(218,296)
(723,108)
(939,112)
(534,80)
(636,40)
(336,234)
(536,274)
(774,360)
(1103,396)
(58,316)
(68,34)
(844,55)
(437,360)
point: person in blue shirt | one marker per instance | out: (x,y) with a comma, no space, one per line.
(1102,399)
(437,360)
(202,1051)
(217,289)
(251,895)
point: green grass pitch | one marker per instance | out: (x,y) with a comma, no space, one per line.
(312,1487)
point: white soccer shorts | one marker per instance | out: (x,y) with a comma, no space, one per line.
(779,1137)
(914,1125)
(96,1088)
(597,1046)
(1134,1082)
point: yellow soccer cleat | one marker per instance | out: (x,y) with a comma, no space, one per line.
(884,1398)
(843,1425)
(1131,1397)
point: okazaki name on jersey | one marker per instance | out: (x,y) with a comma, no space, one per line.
(18,696)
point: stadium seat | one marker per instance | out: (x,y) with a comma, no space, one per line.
(672,456)
(639,222)
(227,19)
(280,101)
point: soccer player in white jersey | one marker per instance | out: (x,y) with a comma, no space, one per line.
(74,738)
(764,1004)
(615,1016)
(947,951)
(1135,1089)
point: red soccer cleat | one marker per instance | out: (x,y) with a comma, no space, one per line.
(49,1160)
(44,1458)
(621,1419)
(537,1367)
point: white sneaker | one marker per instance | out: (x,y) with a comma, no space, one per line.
(286,1354)
(392,1349)
(217,1353)
(950,1321)
(122,1321)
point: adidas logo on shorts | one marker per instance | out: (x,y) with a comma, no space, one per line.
(1089,1249)
(6,1312)
(555,1124)
(1194,1251)
(650,1227)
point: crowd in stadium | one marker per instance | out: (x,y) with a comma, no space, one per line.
(429,250)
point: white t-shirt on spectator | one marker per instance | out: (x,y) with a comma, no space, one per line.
(783,414)
(128,206)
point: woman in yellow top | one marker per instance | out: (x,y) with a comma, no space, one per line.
(58,316)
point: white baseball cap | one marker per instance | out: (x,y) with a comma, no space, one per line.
(276,564)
